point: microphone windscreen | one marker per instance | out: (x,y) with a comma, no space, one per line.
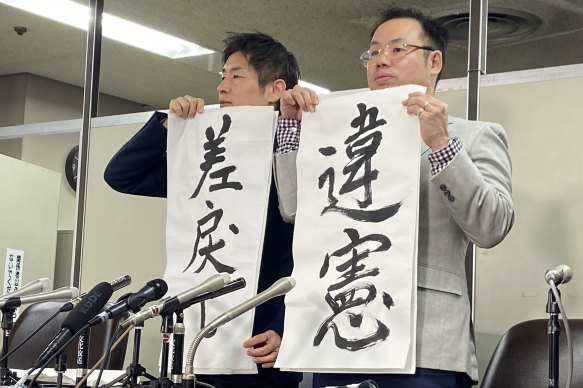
(160,287)
(90,305)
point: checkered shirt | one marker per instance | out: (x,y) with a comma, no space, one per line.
(287,135)
(441,158)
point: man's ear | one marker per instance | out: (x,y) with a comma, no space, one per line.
(277,89)
(435,62)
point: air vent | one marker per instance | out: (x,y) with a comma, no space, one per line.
(503,24)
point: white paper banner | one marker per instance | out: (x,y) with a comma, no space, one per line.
(355,259)
(219,175)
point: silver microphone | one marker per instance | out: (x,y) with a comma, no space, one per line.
(213,283)
(33,287)
(60,293)
(278,288)
(561,274)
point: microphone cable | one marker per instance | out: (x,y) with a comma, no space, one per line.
(121,337)
(567,331)
(106,356)
(43,366)
(30,336)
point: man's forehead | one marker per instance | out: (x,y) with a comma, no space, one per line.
(400,30)
(237,62)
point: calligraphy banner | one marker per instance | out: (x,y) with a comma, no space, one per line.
(355,240)
(219,176)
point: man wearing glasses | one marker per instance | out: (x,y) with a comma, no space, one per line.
(465,196)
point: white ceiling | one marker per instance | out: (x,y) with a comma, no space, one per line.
(327,37)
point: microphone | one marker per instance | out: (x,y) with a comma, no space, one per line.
(60,293)
(213,283)
(278,288)
(90,305)
(33,287)
(235,285)
(561,274)
(116,284)
(153,290)
(121,282)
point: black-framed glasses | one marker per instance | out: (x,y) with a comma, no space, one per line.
(394,51)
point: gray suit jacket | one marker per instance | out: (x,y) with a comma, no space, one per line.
(469,200)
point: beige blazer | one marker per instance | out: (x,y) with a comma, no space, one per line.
(469,200)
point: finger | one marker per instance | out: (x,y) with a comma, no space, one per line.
(196,105)
(269,358)
(256,340)
(299,99)
(268,365)
(174,107)
(261,351)
(311,100)
(184,107)
(287,99)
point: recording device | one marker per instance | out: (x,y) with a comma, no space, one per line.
(60,293)
(561,274)
(213,283)
(153,290)
(116,284)
(278,288)
(33,287)
(89,306)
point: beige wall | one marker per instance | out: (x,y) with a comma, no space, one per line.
(27,99)
(544,131)
(12,94)
(28,209)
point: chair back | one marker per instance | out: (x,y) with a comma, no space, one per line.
(37,313)
(521,358)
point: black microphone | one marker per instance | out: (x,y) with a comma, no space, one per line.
(213,283)
(116,284)
(90,305)
(153,290)
(234,285)
(33,287)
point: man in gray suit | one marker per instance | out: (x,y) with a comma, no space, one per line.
(465,196)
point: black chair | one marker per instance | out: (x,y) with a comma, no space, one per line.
(521,359)
(37,313)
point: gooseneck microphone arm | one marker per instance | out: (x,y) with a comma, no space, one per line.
(278,288)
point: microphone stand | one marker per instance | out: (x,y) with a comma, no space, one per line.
(167,324)
(178,349)
(61,367)
(7,377)
(83,356)
(135,369)
(554,330)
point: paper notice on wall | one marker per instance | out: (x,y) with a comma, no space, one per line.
(13,271)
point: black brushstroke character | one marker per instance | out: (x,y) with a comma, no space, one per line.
(340,305)
(212,156)
(207,251)
(362,146)
(352,270)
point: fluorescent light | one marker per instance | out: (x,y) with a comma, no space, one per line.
(315,88)
(77,15)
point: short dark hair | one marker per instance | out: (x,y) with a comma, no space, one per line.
(435,34)
(270,59)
